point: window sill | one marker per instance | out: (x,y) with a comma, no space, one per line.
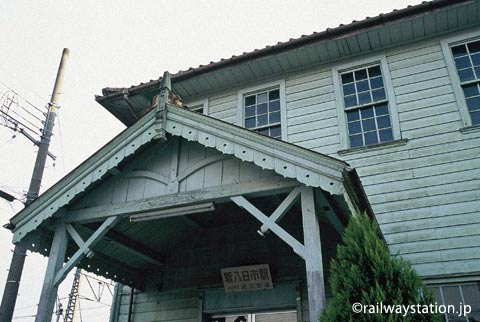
(373,147)
(470,129)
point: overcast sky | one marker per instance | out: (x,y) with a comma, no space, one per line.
(121,43)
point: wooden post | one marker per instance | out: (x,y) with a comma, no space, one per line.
(55,262)
(313,255)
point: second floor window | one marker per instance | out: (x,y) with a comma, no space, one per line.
(262,112)
(366,106)
(467,62)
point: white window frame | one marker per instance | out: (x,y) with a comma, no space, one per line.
(280,84)
(337,70)
(203,102)
(446,45)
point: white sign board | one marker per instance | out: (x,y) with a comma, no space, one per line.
(247,278)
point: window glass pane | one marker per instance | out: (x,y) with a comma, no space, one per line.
(274,106)
(354,128)
(451,294)
(374,71)
(352,115)
(367,112)
(466,75)
(356,140)
(360,74)
(262,108)
(347,78)
(262,120)
(262,98)
(249,123)
(350,100)
(383,122)
(363,86)
(264,131)
(475,116)
(463,62)
(471,90)
(369,125)
(381,109)
(459,50)
(378,94)
(250,100)
(476,59)
(274,95)
(250,111)
(364,98)
(474,47)
(274,117)
(473,103)
(471,295)
(276,317)
(276,132)
(348,89)
(371,138)
(477,72)
(376,82)
(385,135)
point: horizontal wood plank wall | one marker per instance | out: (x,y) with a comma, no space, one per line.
(426,194)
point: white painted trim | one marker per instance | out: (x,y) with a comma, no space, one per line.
(390,94)
(452,70)
(259,88)
(203,102)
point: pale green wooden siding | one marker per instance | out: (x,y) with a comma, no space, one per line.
(426,194)
(174,306)
(142,178)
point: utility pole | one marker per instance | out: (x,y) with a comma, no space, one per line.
(20,252)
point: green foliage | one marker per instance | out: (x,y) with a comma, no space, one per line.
(363,272)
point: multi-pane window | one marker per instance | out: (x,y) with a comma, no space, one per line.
(262,112)
(286,316)
(366,106)
(458,295)
(467,61)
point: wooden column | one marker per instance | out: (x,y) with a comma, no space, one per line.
(313,255)
(55,262)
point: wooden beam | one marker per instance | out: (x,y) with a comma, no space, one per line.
(218,194)
(55,261)
(275,228)
(85,249)
(313,255)
(78,240)
(333,214)
(283,208)
(132,247)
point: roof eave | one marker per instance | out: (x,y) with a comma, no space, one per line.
(328,34)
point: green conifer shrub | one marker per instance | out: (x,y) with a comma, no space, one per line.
(364,272)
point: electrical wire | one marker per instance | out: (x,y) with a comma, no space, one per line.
(29,103)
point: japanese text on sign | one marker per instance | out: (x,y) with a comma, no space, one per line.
(247,278)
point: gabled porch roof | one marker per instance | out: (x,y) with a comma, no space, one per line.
(290,161)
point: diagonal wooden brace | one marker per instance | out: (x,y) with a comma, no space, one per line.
(78,240)
(297,247)
(84,248)
(282,209)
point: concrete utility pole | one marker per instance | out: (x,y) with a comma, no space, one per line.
(20,252)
